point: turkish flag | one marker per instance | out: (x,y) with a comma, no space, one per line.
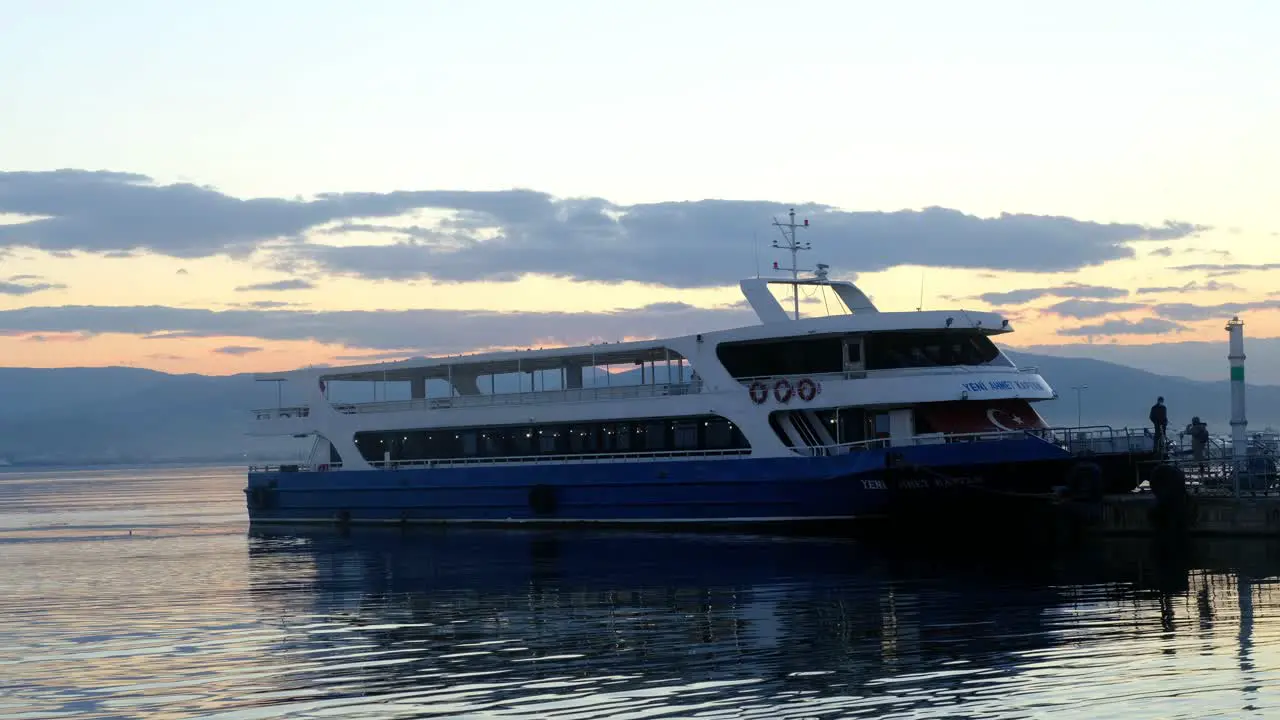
(966,416)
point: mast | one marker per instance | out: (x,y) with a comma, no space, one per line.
(795,247)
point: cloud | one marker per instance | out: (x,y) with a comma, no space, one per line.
(1161,252)
(26,285)
(182,271)
(1190,312)
(503,235)
(237,350)
(1145,326)
(1219,270)
(693,244)
(1193,286)
(1084,309)
(1070,290)
(105,212)
(279,285)
(60,337)
(443,331)
(267,304)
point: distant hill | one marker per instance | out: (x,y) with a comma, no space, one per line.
(1118,395)
(105,415)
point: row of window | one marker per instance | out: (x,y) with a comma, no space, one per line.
(872,351)
(695,433)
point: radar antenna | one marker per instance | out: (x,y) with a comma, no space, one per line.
(788,230)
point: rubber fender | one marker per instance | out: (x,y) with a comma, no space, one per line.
(1168,483)
(1084,480)
(542,500)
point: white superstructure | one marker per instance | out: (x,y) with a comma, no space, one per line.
(854,377)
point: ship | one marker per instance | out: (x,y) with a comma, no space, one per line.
(858,414)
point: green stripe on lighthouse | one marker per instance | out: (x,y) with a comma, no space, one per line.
(1237,373)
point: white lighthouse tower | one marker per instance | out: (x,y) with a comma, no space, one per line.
(1239,425)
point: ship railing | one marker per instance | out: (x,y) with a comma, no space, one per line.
(1096,439)
(562,458)
(923,439)
(852,374)
(591,394)
(295,467)
(282,413)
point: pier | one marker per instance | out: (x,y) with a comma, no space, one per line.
(1213,489)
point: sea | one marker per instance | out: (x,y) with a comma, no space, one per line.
(144,593)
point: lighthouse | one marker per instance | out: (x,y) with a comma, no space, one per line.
(1235,355)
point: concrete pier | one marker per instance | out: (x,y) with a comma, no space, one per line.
(1144,514)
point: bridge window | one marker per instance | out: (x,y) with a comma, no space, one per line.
(942,348)
(792,356)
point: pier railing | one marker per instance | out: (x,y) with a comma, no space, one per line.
(1217,471)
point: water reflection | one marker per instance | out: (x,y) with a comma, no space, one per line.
(139,594)
(539,622)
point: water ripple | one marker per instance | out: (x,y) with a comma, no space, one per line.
(142,594)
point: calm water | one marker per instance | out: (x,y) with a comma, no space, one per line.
(143,594)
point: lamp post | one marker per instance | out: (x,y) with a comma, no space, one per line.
(1079,390)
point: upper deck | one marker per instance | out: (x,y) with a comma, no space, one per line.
(859,341)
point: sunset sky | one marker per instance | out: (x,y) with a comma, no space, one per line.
(234,186)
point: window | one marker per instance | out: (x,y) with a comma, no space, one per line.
(793,356)
(582,439)
(690,434)
(469,445)
(655,436)
(719,434)
(547,441)
(892,350)
(686,436)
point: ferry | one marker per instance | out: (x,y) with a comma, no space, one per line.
(788,420)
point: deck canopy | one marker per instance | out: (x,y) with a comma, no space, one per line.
(500,363)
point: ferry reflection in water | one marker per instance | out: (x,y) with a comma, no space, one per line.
(609,624)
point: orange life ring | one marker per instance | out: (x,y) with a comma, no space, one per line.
(759,392)
(806,390)
(782,390)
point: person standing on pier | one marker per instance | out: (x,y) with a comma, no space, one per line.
(1160,419)
(1199,433)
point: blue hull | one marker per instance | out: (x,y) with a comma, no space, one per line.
(741,490)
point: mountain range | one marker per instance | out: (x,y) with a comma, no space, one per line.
(77,416)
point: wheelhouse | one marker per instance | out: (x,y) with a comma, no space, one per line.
(860,352)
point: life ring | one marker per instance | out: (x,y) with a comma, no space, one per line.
(759,392)
(806,390)
(782,390)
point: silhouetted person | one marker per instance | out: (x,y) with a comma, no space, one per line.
(1160,420)
(1199,433)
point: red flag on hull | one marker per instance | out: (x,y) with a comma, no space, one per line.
(971,416)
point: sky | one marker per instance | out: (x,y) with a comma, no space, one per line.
(233,187)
